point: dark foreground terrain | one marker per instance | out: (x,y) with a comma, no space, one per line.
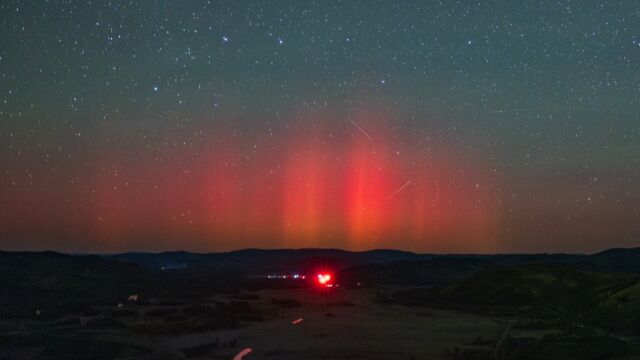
(388,305)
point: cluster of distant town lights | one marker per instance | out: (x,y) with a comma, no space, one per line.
(321,279)
(294,276)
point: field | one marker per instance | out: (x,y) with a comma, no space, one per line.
(58,306)
(348,324)
(342,324)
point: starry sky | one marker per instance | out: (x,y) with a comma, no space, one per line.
(430,126)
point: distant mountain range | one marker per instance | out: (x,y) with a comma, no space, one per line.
(35,280)
(433,270)
(256,261)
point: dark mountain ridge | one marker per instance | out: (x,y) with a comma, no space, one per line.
(35,280)
(252,261)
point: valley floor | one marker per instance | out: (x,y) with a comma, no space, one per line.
(349,325)
(283,324)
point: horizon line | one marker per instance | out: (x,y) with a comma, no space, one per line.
(108,253)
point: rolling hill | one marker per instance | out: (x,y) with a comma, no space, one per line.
(44,280)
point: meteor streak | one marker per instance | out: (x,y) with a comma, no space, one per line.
(361,129)
(400,189)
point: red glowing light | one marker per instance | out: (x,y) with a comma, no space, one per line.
(333,187)
(323,279)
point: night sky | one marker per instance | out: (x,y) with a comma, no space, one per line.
(452,126)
